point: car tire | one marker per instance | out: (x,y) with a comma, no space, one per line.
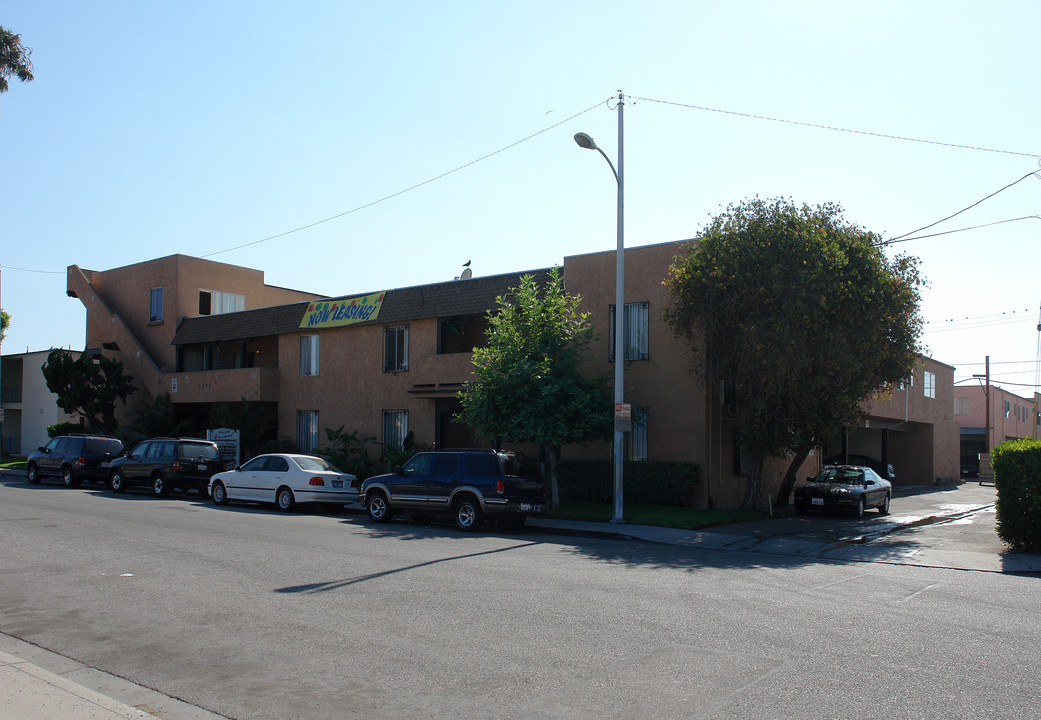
(284,499)
(883,509)
(159,486)
(116,482)
(68,477)
(220,494)
(378,508)
(32,474)
(861,506)
(467,513)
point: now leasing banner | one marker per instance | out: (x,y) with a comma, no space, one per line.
(345,311)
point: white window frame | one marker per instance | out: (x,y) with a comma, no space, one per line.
(307,430)
(222,302)
(308,355)
(961,406)
(929,381)
(396,360)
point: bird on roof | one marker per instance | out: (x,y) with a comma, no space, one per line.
(466,264)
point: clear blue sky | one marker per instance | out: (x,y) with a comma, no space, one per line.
(197,127)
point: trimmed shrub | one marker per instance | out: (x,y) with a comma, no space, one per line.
(1017,477)
(643,482)
(65,428)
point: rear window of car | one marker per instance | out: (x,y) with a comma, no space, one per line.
(313,463)
(206,451)
(483,466)
(101,446)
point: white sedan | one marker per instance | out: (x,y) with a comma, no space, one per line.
(285,479)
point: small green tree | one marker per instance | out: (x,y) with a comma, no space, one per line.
(88,386)
(5,321)
(528,384)
(801,316)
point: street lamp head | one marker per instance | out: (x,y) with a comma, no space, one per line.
(585,141)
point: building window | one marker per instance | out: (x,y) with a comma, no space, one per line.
(930,384)
(961,406)
(635,445)
(1007,410)
(155,305)
(307,430)
(395,428)
(215,302)
(308,355)
(635,329)
(395,348)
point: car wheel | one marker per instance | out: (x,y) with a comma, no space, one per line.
(378,508)
(883,509)
(284,499)
(468,513)
(68,478)
(159,487)
(860,508)
(32,474)
(116,482)
(220,494)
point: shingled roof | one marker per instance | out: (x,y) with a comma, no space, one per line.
(458,297)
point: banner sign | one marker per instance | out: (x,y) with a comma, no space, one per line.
(345,311)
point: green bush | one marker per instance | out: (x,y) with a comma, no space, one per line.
(643,482)
(1017,477)
(65,428)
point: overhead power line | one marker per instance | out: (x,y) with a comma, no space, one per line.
(818,126)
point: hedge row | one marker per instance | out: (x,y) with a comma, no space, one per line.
(643,482)
(1017,477)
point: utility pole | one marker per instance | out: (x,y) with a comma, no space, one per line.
(986,394)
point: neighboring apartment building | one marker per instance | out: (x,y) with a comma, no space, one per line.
(28,406)
(911,427)
(386,362)
(1011,417)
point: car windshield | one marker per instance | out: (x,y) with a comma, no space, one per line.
(314,463)
(844,475)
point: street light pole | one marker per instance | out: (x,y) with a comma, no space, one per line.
(587,142)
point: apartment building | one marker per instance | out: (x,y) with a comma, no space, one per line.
(387,362)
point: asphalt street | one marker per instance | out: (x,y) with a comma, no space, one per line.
(248,613)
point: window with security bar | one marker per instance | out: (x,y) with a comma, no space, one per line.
(635,441)
(635,335)
(395,428)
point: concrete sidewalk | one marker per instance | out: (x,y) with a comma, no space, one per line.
(876,538)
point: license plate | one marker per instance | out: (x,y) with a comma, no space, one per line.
(816,501)
(106,463)
(337,483)
(525,506)
(200,466)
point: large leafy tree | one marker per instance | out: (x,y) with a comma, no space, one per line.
(800,316)
(14,59)
(528,384)
(88,386)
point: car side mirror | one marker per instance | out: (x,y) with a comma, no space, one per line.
(868,482)
(42,449)
(398,470)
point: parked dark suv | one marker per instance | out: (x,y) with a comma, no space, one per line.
(165,463)
(74,458)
